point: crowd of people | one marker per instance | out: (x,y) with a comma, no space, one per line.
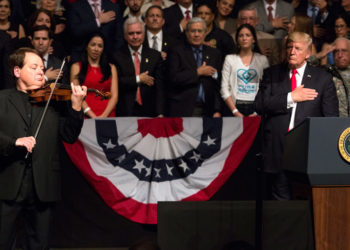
(284,60)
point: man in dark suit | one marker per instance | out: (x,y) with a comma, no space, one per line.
(288,94)
(41,39)
(193,88)
(156,38)
(29,167)
(274,16)
(84,19)
(176,18)
(140,74)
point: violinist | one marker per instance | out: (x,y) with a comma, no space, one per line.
(29,186)
(94,71)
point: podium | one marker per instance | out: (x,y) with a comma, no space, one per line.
(311,153)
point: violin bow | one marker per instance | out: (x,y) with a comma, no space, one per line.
(47,104)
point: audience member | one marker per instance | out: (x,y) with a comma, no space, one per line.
(274,16)
(215,37)
(161,3)
(30,186)
(177,16)
(13,28)
(242,73)
(140,74)
(41,39)
(341,76)
(156,38)
(288,94)
(223,19)
(133,9)
(193,88)
(45,17)
(88,16)
(267,43)
(94,72)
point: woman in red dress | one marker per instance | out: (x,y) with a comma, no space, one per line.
(94,72)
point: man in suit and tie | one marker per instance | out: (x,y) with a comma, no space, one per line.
(274,16)
(41,40)
(194,70)
(177,16)
(89,16)
(29,167)
(140,74)
(288,94)
(156,38)
(267,42)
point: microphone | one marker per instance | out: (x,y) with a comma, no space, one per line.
(332,70)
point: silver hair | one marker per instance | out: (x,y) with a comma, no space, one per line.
(343,39)
(196,20)
(248,8)
(132,20)
(58,5)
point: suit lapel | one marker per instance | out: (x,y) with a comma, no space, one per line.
(18,105)
(306,81)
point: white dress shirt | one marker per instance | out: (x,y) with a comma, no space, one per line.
(290,103)
(274,6)
(159,39)
(133,57)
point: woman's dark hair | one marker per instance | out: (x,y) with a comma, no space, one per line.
(252,30)
(32,19)
(344,17)
(104,64)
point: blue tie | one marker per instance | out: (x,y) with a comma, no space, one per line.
(198,57)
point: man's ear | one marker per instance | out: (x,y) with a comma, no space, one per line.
(17,71)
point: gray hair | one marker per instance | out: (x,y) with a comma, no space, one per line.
(58,5)
(133,20)
(196,20)
(248,8)
(343,39)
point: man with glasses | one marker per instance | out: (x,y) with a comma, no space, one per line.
(193,74)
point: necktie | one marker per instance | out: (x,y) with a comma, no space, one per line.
(188,17)
(313,9)
(294,79)
(198,57)
(95,8)
(270,8)
(155,43)
(137,72)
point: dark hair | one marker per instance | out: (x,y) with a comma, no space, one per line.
(104,64)
(40,28)
(252,30)
(16,59)
(344,17)
(208,4)
(32,19)
(154,7)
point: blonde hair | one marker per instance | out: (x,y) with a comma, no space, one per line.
(300,37)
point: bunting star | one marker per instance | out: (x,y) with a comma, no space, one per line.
(120,158)
(139,166)
(184,166)
(196,156)
(210,141)
(148,171)
(109,144)
(169,170)
(157,171)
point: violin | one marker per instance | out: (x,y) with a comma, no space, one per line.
(60,93)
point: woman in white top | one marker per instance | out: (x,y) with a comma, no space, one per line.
(242,73)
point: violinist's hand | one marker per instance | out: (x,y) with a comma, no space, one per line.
(52,74)
(27,142)
(78,95)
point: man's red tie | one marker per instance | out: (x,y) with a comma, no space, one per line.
(137,72)
(270,8)
(188,17)
(294,79)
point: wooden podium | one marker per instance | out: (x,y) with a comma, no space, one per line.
(311,153)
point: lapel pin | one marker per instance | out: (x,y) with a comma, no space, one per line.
(146,60)
(207,57)
(165,44)
(308,76)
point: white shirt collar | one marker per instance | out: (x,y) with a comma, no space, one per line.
(300,73)
(183,10)
(159,38)
(46,58)
(132,51)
